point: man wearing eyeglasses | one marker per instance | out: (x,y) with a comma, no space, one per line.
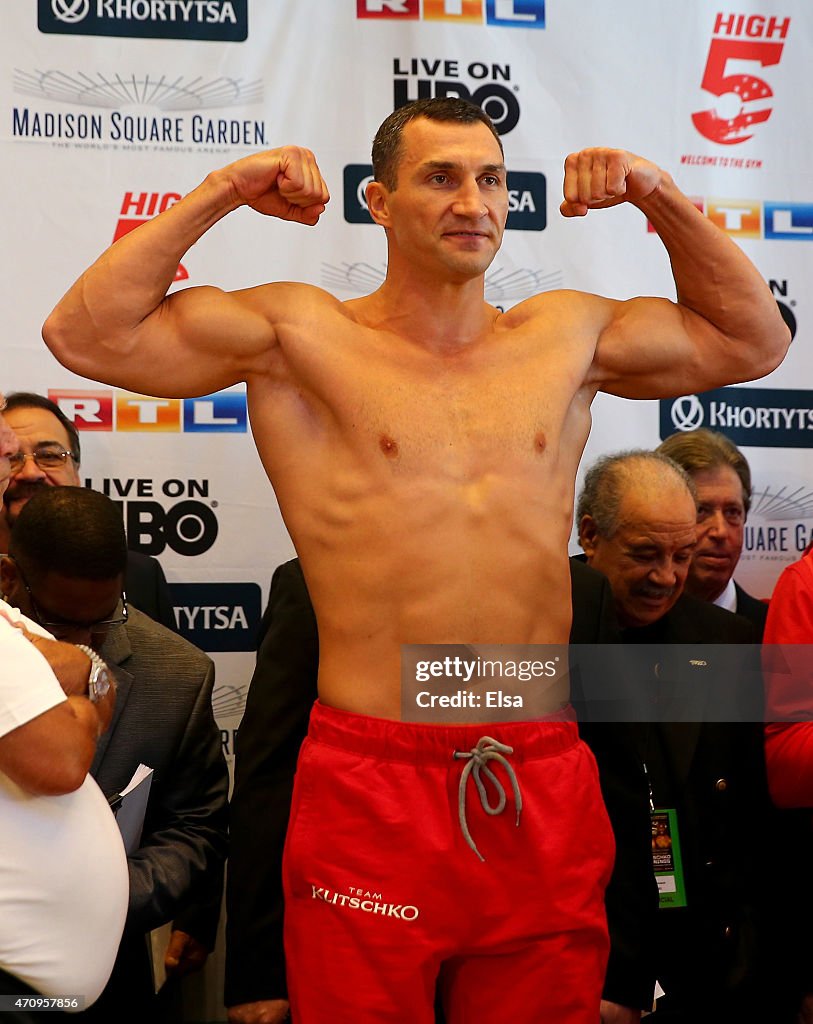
(49,456)
(65,570)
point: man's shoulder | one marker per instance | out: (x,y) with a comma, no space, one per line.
(149,638)
(706,623)
(751,607)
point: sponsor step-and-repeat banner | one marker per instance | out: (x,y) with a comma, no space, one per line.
(111,110)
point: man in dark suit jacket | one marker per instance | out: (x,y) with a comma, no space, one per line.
(66,572)
(280,697)
(722,481)
(694,665)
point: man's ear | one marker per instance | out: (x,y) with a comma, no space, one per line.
(377,196)
(588,535)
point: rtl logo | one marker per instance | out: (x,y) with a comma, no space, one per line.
(512,13)
(222,412)
(139,207)
(738,39)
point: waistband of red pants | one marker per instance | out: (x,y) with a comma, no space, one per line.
(417,743)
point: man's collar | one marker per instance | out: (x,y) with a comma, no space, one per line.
(728,598)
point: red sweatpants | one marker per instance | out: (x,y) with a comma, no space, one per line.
(385,899)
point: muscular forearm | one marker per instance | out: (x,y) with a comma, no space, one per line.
(111,306)
(117,324)
(716,281)
(53,752)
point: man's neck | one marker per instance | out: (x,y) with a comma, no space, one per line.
(445,317)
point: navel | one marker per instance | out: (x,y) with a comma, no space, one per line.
(388,446)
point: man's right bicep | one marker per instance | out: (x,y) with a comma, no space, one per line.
(200,340)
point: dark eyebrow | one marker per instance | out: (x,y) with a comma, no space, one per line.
(451,165)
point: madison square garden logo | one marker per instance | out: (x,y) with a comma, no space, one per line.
(217,20)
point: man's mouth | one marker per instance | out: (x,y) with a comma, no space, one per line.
(712,557)
(21,492)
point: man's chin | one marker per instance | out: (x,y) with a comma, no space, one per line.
(647,610)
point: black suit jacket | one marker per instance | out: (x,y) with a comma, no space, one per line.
(163,718)
(146,587)
(718,958)
(752,609)
(282,692)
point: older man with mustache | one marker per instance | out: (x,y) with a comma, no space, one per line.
(717,947)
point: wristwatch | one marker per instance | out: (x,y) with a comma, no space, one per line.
(99,680)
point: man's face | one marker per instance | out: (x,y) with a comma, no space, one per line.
(720,525)
(37,429)
(448,211)
(8,446)
(647,559)
(76,610)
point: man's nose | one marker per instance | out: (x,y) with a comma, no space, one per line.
(664,574)
(29,470)
(716,523)
(468,200)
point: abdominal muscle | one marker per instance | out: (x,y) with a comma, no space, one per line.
(424,560)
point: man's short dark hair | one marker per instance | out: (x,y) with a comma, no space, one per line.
(697,450)
(387,141)
(30,400)
(607,481)
(72,531)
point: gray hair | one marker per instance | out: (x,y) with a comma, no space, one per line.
(607,480)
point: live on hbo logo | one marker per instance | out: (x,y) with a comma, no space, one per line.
(755,417)
(219,20)
(106,410)
(183,519)
(508,13)
(488,84)
(527,198)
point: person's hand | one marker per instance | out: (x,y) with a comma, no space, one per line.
(184,954)
(284,183)
(265,1011)
(70,665)
(598,178)
(614,1013)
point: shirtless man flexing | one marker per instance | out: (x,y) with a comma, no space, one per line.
(423,447)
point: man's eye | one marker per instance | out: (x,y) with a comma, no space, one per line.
(440,179)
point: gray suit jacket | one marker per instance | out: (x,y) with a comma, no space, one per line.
(164,719)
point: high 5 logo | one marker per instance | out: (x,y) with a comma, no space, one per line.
(741,45)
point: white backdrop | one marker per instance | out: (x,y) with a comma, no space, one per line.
(111,109)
